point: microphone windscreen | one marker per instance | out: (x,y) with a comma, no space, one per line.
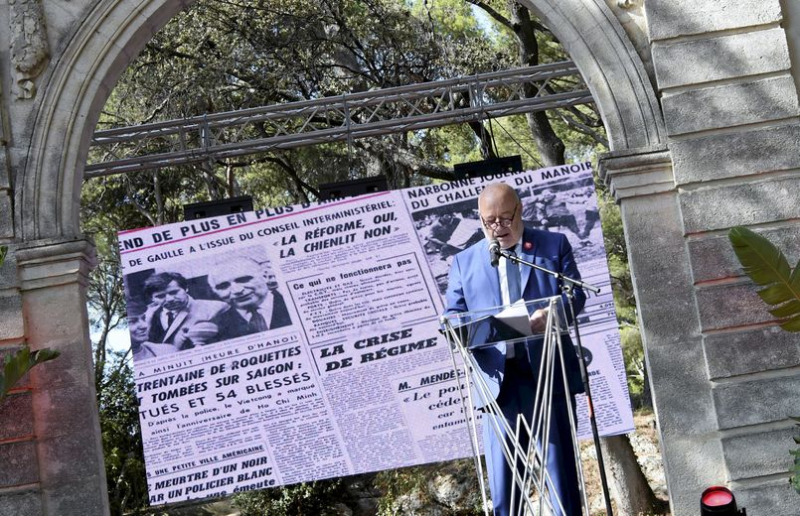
(494,252)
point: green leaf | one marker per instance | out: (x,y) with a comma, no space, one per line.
(792,325)
(3,253)
(43,355)
(766,265)
(792,307)
(17,364)
(794,480)
(760,259)
(776,294)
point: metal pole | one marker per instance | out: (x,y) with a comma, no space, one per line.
(568,287)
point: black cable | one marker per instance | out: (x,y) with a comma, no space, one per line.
(538,163)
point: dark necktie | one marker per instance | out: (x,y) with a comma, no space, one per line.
(170,319)
(257,322)
(513,278)
(514,293)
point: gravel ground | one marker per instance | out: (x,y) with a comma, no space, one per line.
(644,440)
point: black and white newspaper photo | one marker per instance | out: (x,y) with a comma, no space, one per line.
(301,343)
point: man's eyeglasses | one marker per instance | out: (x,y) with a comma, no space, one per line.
(505,223)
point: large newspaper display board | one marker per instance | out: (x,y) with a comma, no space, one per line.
(301,343)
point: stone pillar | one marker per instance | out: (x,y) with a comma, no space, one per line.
(725,378)
(644,185)
(19,475)
(50,432)
(6,191)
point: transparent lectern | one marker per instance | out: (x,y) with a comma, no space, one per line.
(479,341)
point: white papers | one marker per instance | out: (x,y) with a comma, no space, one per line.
(516,316)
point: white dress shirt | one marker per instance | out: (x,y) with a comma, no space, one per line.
(504,296)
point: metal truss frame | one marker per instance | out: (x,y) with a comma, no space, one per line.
(331,119)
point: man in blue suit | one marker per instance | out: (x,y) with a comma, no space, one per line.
(511,372)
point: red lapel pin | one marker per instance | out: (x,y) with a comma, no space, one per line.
(528,246)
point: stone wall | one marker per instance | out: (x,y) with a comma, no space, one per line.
(50,448)
(725,378)
(20,491)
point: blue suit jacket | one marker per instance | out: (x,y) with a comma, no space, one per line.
(475,285)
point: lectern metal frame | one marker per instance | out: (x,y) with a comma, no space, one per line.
(533,458)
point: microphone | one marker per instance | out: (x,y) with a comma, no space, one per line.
(494,252)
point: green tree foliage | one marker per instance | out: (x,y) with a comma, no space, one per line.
(221,56)
(448,489)
(624,299)
(108,206)
(306,499)
(122,439)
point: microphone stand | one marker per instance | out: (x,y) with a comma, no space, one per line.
(567,287)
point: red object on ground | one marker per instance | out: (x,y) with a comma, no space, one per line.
(717,496)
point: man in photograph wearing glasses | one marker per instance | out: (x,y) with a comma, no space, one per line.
(511,372)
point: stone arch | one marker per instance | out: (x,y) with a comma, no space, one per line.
(113,33)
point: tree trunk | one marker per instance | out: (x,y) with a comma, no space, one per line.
(550,146)
(629,487)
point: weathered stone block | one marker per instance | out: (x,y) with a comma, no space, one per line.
(672,18)
(16,416)
(730,306)
(22,503)
(759,454)
(730,105)
(19,464)
(739,55)
(69,368)
(77,498)
(663,282)
(764,349)
(69,446)
(741,205)
(733,155)
(5,166)
(774,499)
(11,322)
(61,19)
(74,457)
(6,215)
(713,257)
(8,271)
(696,459)
(759,401)
(681,388)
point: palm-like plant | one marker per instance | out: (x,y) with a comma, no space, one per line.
(766,265)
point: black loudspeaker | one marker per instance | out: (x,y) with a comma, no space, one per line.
(494,167)
(202,210)
(353,188)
